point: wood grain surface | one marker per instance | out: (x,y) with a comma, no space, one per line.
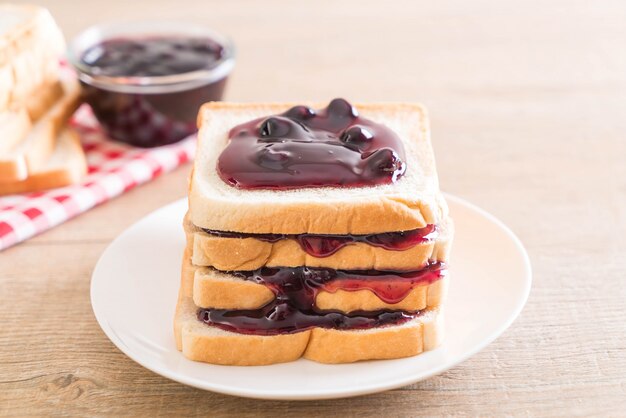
(528,110)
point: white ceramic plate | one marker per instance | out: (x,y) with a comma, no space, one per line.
(135,286)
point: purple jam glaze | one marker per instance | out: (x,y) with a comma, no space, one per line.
(293,309)
(326,245)
(303,147)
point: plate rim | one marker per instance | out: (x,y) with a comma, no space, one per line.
(320,394)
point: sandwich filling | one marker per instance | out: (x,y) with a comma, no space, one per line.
(304,147)
(293,309)
(326,245)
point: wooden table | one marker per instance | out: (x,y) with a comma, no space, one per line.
(528,108)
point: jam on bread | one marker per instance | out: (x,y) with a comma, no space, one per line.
(293,308)
(303,147)
(326,245)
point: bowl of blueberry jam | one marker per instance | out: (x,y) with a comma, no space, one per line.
(145,81)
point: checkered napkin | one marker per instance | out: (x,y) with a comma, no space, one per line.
(113,169)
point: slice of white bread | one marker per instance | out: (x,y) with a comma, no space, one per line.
(202,342)
(6,81)
(14,126)
(412,202)
(66,165)
(44,97)
(213,288)
(30,46)
(32,152)
(220,290)
(230,254)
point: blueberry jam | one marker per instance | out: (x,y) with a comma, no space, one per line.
(293,309)
(151,113)
(303,147)
(326,245)
(152,56)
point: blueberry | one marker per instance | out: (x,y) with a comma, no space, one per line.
(204,316)
(274,160)
(387,161)
(300,113)
(341,107)
(165,56)
(206,47)
(93,55)
(275,128)
(280,312)
(357,135)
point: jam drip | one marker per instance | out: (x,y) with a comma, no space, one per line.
(326,245)
(307,148)
(293,309)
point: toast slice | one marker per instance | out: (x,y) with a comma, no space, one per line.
(411,202)
(44,97)
(30,46)
(216,287)
(201,342)
(66,165)
(6,81)
(30,155)
(230,254)
(212,288)
(14,126)
(221,290)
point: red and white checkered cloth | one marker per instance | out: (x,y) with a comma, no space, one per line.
(113,169)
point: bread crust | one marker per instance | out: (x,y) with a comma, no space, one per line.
(426,296)
(14,127)
(43,98)
(377,209)
(333,346)
(201,342)
(6,81)
(214,289)
(72,172)
(29,54)
(31,155)
(231,254)
(316,217)
(232,349)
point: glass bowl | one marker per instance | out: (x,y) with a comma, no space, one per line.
(154,110)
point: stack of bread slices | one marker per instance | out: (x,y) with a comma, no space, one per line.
(246,247)
(37,149)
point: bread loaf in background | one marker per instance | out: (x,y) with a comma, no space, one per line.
(36,150)
(30,46)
